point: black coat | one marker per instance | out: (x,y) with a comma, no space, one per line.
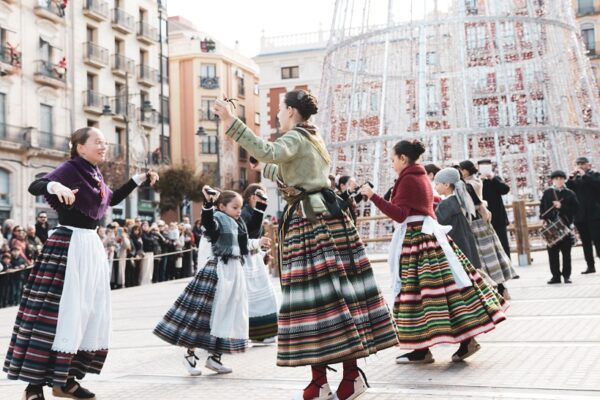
(587,189)
(493,189)
(568,208)
(41,231)
(253,217)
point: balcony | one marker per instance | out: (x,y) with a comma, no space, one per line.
(149,119)
(95,9)
(51,10)
(95,55)
(93,102)
(49,140)
(586,10)
(50,74)
(17,135)
(121,108)
(207,115)
(121,21)
(10,61)
(122,65)
(147,76)
(147,33)
(209,83)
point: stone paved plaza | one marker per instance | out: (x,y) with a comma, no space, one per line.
(549,348)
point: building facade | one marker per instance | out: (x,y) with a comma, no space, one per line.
(61,65)
(286,62)
(587,13)
(203,69)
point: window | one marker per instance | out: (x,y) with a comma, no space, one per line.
(45,50)
(243,178)
(46,125)
(476,37)
(119,134)
(589,38)
(91,80)
(164,109)
(208,70)
(506,32)
(209,144)
(4,187)
(241,83)
(256,118)
(290,72)
(242,112)
(206,110)
(164,68)
(2,115)
(471,7)
(585,6)
(243,154)
(92,124)
(143,57)
(91,34)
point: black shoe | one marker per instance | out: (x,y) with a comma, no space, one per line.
(568,280)
(34,392)
(73,390)
(553,281)
(589,271)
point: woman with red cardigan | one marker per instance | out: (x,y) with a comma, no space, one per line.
(439,297)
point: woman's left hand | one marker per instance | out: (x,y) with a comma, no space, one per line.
(366,191)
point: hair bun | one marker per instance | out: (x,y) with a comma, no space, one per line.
(418,146)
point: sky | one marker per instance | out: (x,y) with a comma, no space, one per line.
(244,20)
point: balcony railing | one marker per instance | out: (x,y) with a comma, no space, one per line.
(122,21)
(207,115)
(147,75)
(95,55)
(586,9)
(50,73)
(49,140)
(122,108)
(147,32)
(122,65)
(209,82)
(15,134)
(148,118)
(93,99)
(96,9)
(49,9)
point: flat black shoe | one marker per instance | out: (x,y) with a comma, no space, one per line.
(73,390)
(589,271)
(553,281)
(567,280)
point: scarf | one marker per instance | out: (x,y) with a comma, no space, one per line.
(465,200)
(93,197)
(233,236)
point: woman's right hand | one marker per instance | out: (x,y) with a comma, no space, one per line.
(64,194)
(223,109)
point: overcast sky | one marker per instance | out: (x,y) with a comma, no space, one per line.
(244,20)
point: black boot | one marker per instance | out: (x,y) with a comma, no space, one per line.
(589,270)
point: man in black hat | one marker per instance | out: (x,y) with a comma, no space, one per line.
(493,189)
(559,202)
(585,182)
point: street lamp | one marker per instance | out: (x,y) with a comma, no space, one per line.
(201,132)
(146,109)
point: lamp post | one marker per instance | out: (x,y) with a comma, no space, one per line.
(107,111)
(202,133)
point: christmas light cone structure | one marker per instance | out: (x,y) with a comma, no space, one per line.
(507,80)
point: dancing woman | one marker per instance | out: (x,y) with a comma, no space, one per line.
(332,310)
(63,324)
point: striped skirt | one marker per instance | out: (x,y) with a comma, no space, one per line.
(332,309)
(30,356)
(430,310)
(493,257)
(187,323)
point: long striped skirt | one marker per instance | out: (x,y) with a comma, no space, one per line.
(494,259)
(187,323)
(332,309)
(30,356)
(430,309)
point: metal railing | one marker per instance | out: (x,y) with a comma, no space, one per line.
(15,134)
(95,53)
(123,64)
(49,140)
(50,70)
(54,7)
(94,99)
(97,6)
(122,19)
(147,31)
(148,117)
(209,82)
(121,107)
(147,74)
(207,115)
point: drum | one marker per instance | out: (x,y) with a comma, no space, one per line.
(555,231)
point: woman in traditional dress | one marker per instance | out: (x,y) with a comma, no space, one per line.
(332,310)
(439,297)
(64,321)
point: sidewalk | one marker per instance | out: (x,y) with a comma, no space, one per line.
(549,348)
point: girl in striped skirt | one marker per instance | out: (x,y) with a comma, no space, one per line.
(64,321)
(332,310)
(212,311)
(262,304)
(439,297)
